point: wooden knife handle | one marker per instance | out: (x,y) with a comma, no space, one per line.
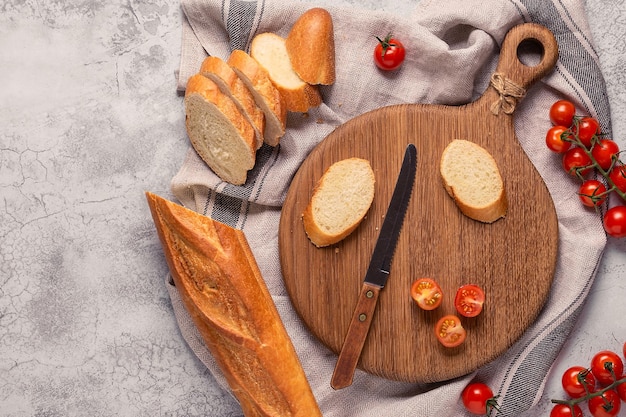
(355,337)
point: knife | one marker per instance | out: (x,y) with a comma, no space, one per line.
(377,273)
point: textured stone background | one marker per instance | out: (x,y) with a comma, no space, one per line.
(89,120)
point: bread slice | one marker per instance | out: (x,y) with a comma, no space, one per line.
(471,177)
(230,84)
(222,289)
(218,132)
(265,94)
(311,47)
(340,201)
(270,52)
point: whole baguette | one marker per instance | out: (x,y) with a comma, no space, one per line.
(221,287)
(311,47)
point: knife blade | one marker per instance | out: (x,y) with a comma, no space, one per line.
(377,273)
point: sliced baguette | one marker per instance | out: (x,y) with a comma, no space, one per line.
(230,84)
(270,52)
(222,289)
(472,178)
(311,47)
(221,136)
(340,201)
(265,94)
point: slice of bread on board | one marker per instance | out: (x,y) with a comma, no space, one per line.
(340,201)
(471,177)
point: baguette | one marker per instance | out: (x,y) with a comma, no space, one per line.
(269,50)
(340,201)
(471,177)
(265,94)
(230,84)
(222,289)
(221,136)
(311,47)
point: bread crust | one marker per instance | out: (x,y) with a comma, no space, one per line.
(265,94)
(221,287)
(230,84)
(311,47)
(202,91)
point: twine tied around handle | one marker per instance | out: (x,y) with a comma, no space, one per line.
(509,94)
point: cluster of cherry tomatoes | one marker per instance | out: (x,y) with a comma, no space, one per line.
(468,301)
(586,151)
(602,385)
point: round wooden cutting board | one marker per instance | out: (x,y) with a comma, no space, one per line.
(513,259)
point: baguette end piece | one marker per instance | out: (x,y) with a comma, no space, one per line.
(472,179)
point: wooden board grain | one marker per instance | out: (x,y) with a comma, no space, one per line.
(513,259)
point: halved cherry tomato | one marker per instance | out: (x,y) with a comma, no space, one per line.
(601,370)
(469,300)
(426,293)
(577,381)
(449,331)
(576,162)
(562,113)
(604,151)
(389,53)
(564,410)
(606,405)
(592,193)
(556,139)
(587,128)
(618,176)
(478,398)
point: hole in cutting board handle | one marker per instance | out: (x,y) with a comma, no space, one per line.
(530,52)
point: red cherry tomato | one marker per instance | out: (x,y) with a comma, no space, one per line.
(469,300)
(604,151)
(426,293)
(592,193)
(605,405)
(556,139)
(615,221)
(389,53)
(575,379)
(618,176)
(449,331)
(478,398)
(600,369)
(563,410)
(588,127)
(576,162)
(562,113)
(621,391)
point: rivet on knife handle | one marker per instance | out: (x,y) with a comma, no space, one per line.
(355,338)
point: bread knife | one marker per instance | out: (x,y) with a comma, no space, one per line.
(377,273)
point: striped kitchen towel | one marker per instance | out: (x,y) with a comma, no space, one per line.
(453,51)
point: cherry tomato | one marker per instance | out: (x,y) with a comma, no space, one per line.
(562,113)
(478,398)
(389,53)
(576,162)
(615,221)
(592,193)
(449,331)
(599,366)
(588,127)
(556,139)
(621,391)
(618,176)
(604,151)
(575,379)
(469,300)
(625,349)
(563,410)
(426,293)
(606,405)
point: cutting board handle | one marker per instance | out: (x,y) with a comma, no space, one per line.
(513,77)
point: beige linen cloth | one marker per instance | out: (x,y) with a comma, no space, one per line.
(452,51)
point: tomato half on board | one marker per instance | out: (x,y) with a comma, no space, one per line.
(450,331)
(426,293)
(469,300)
